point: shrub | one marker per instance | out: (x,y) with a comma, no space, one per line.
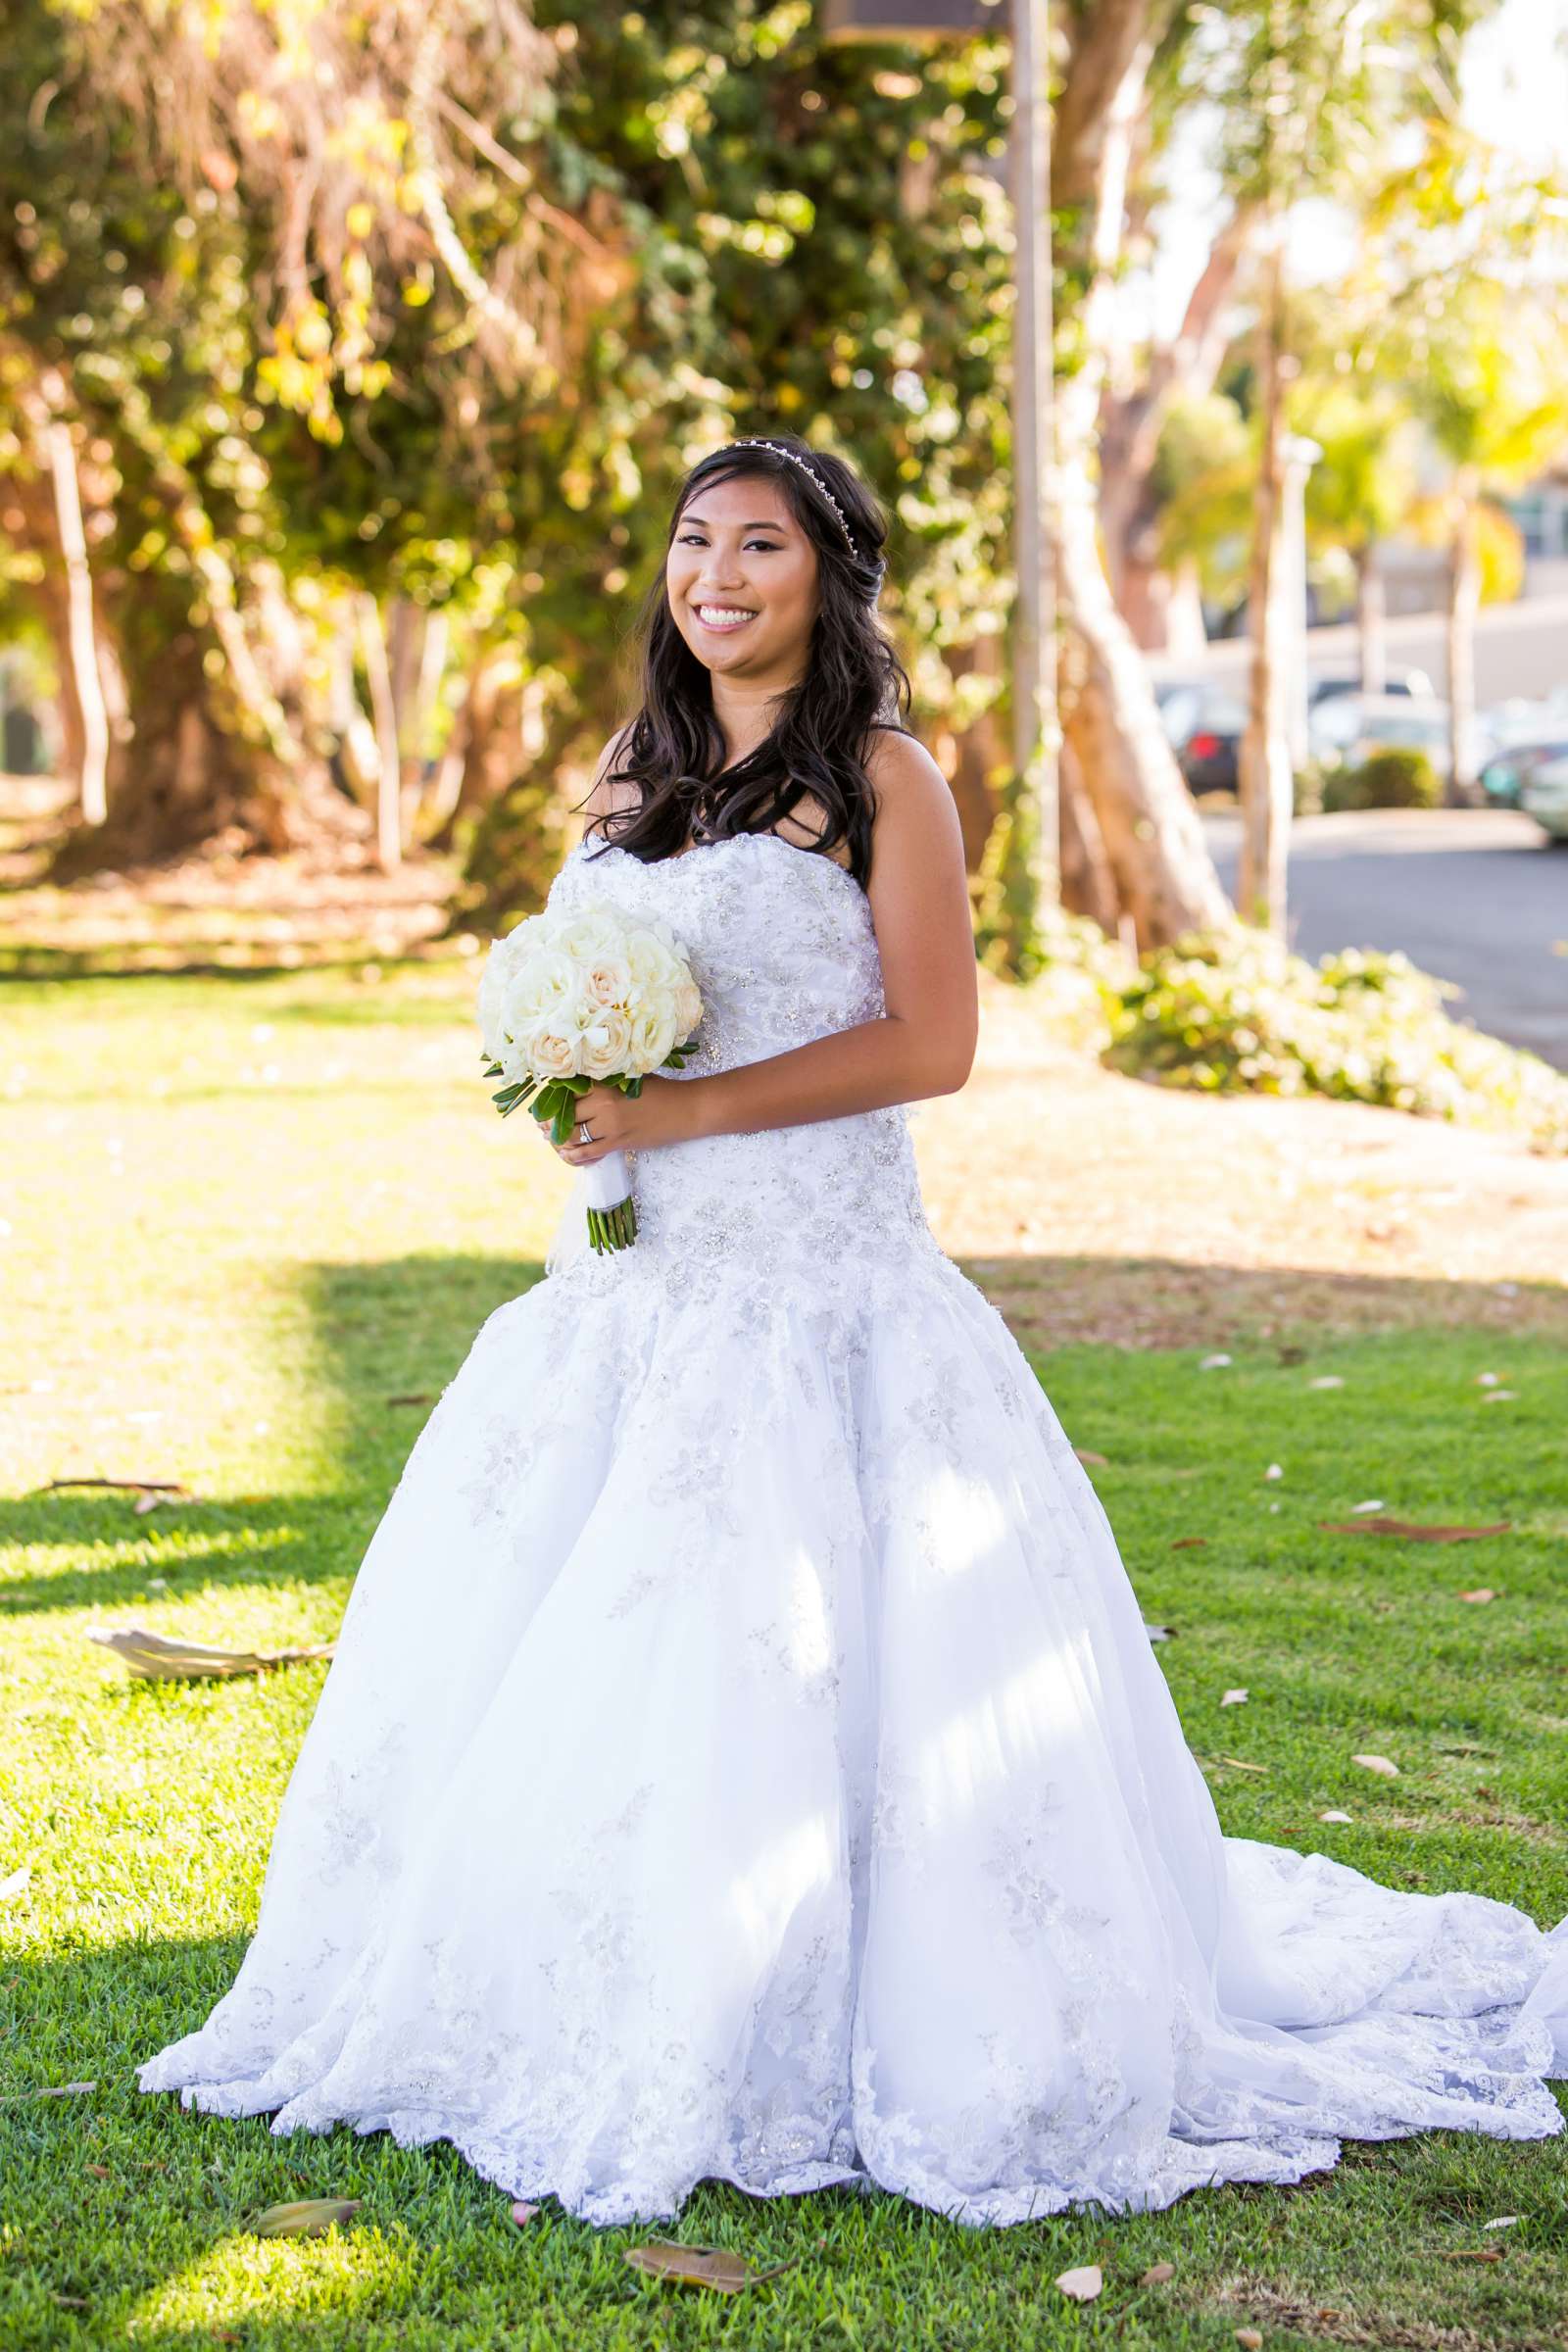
(1237,1013)
(1388,779)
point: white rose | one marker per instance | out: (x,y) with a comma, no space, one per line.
(653,1034)
(585,937)
(688,1008)
(552,1052)
(648,958)
(542,985)
(491,1003)
(603,1048)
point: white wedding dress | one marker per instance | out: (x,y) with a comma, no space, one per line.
(743,1757)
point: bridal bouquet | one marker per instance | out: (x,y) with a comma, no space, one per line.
(568,1000)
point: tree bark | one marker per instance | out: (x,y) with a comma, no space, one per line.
(1164,616)
(1266,778)
(1153,839)
(383,710)
(81,633)
(1464,603)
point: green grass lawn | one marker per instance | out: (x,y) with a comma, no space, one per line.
(247,1228)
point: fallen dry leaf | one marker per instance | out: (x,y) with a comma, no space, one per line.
(123,1486)
(56,2091)
(1188,1544)
(101,2172)
(421,1396)
(1470,2253)
(1240,1767)
(1481,1593)
(712,2267)
(1083,2284)
(1234,1698)
(1250,2340)
(1378,1764)
(1414,1532)
(1327,1380)
(1157,2273)
(161,1659)
(1092,1461)
(1503,2221)
(305,2217)
(1334,1816)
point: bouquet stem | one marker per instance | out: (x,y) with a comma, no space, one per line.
(612,1211)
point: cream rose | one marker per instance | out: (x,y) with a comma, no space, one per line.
(603,1050)
(551,1052)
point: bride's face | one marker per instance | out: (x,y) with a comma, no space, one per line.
(739,550)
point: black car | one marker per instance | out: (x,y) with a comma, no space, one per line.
(1206,726)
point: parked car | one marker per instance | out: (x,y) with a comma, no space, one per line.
(1543,795)
(1206,724)
(1503,776)
(1323,689)
(1349,728)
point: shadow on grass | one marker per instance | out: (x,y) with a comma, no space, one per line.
(385,1339)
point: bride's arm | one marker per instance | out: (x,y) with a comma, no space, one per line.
(922,1044)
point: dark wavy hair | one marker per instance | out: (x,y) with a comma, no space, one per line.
(852,684)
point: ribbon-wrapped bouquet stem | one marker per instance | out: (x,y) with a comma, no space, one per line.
(590,997)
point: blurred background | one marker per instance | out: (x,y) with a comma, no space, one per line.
(348,360)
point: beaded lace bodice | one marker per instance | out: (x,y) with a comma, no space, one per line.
(783,949)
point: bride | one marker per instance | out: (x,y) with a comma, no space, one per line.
(793,1797)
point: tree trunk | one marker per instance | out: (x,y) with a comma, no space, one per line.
(1152,836)
(1266,778)
(1464,601)
(81,635)
(489,744)
(1371,620)
(976,758)
(1150,831)
(383,710)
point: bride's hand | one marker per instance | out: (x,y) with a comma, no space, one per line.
(662,1113)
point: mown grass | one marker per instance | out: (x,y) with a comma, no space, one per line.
(244,1221)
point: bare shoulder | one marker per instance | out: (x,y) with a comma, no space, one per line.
(914,797)
(608,798)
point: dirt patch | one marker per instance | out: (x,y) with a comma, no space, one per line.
(1099,1207)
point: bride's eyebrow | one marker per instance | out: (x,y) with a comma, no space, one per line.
(765,524)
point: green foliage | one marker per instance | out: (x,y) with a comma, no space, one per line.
(511,857)
(1242,1014)
(1395,777)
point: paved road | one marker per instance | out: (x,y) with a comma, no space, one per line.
(1468,893)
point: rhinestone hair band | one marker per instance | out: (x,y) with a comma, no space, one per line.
(780,451)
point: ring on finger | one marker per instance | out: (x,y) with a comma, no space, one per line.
(584,1133)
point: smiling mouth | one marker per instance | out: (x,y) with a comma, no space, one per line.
(723,619)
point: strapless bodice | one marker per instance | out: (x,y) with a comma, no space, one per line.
(783,949)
